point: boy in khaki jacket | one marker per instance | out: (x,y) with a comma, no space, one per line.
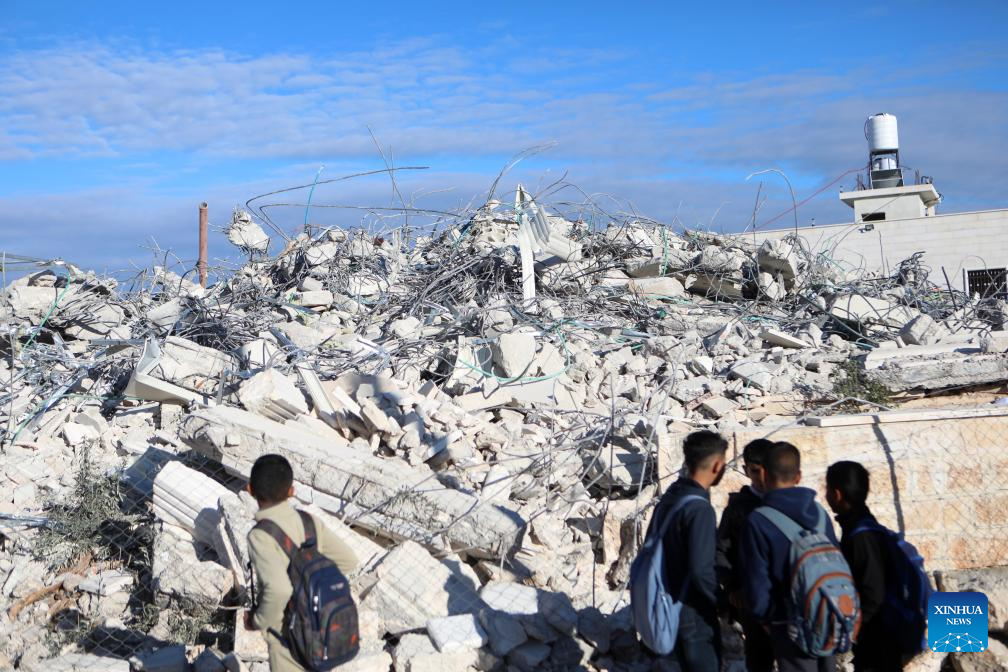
(272,484)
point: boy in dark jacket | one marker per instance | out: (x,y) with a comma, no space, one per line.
(690,548)
(866,553)
(765,556)
(758,650)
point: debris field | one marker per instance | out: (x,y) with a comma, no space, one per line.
(477,408)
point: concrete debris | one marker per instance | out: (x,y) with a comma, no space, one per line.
(477,408)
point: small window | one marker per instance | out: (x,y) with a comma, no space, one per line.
(873,217)
(988,282)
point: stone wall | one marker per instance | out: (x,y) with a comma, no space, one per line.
(944,483)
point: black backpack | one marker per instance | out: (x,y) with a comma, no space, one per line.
(320,622)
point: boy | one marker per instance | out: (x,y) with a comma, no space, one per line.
(272,484)
(866,553)
(765,555)
(758,651)
(690,550)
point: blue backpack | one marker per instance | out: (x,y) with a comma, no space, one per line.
(655,613)
(904,612)
(824,612)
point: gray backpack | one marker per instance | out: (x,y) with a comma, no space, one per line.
(824,612)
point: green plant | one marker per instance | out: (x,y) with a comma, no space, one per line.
(86,519)
(851,380)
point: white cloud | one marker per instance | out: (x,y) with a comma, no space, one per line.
(688,139)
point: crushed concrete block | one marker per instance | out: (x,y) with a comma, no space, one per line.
(79,662)
(412,588)
(188,499)
(244,233)
(177,571)
(319,298)
(77,435)
(272,394)
(510,598)
(504,631)
(529,656)
(778,256)
(165,315)
(406,327)
(456,632)
(922,330)
(667,286)
(718,407)
(702,365)
(782,339)
(514,353)
(867,310)
(753,374)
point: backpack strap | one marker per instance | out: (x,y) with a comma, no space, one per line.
(309,528)
(287,544)
(788,527)
(663,527)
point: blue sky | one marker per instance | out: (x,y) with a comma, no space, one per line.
(117,118)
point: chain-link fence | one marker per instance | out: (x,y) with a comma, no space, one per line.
(523,561)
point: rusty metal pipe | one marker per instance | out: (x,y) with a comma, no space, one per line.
(202,266)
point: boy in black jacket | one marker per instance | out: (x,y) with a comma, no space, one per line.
(690,547)
(866,553)
(758,650)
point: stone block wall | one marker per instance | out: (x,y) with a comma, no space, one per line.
(944,483)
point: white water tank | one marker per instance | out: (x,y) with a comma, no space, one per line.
(880,129)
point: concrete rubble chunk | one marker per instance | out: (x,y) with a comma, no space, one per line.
(991,581)
(780,338)
(510,598)
(273,395)
(189,499)
(165,659)
(504,631)
(514,353)
(412,588)
(456,632)
(922,330)
(529,656)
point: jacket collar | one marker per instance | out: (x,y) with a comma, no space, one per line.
(271,511)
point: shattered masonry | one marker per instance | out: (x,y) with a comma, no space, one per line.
(477,410)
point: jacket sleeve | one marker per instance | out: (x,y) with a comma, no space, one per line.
(755,570)
(336,549)
(700,524)
(867,563)
(274,587)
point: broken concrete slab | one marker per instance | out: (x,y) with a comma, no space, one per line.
(412,588)
(755,374)
(188,499)
(236,438)
(457,632)
(780,338)
(272,394)
(504,631)
(514,353)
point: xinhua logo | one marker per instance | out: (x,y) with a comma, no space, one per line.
(957,622)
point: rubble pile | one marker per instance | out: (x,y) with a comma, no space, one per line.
(477,410)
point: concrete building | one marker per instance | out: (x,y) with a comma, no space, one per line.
(892,221)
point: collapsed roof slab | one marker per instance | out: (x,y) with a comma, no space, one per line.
(409,497)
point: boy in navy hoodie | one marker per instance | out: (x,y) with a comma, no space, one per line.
(765,556)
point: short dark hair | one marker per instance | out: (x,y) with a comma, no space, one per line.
(783,463)
(700,447)
(757,451)
(851,479)
(271,478)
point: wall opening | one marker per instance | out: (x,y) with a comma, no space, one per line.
(873,217)
(988,282)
